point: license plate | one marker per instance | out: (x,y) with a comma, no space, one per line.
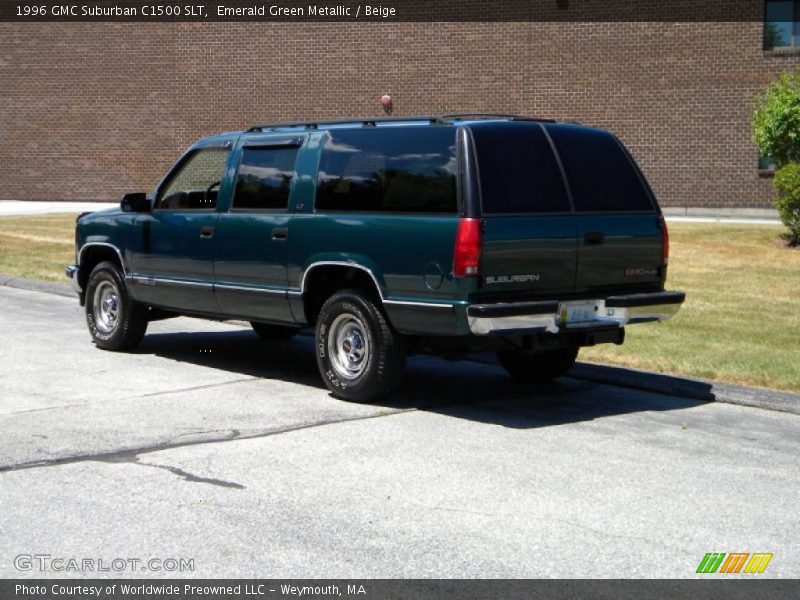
(579,311)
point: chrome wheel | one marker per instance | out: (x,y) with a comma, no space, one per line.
(105,306)
(348,346)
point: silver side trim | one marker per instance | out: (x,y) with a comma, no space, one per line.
(144,280)
(425,304)
(79,258)
(244,288)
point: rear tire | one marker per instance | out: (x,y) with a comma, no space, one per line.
(537,367)
(116,321)
(272,333)
(359,355)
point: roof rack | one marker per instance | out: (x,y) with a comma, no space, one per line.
(513,117)
(479,115)
(373,121)
(366,122)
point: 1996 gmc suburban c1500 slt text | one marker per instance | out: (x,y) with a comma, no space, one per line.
(526,237)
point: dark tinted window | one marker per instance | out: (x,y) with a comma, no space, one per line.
(389,169)
(265,178)
(782,23)
(600,173)
(518,171)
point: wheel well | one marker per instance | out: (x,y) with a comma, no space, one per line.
(324,281)
(90,258)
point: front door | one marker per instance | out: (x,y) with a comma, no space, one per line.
(174,265)
(252,236)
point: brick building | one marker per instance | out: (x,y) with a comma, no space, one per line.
(91,110)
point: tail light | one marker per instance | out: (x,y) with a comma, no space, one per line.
(467,252)
(664,240)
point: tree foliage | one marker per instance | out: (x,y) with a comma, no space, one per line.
(787,183)
(776,120)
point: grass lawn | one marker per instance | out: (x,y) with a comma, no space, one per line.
(740,322)
(38,247)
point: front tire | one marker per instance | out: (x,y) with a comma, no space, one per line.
(116,321)
(359,355)
(537,367)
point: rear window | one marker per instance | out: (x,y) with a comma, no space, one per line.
(518,171)
(388,169)
(601,175)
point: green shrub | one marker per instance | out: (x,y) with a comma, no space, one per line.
(787,183)
(776,120)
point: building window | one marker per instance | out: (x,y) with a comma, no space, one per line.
(766,166)
(782,24)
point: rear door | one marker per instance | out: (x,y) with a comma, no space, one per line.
(529,238)
(618,226)
(252,236)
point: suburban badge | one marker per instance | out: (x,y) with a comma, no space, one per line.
(530,278)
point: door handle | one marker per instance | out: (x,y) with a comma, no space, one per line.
(593,237)
(206,232)
(280,233)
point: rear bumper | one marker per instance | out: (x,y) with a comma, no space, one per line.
(72,274)
(543,316)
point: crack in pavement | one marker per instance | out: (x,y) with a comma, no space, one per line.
(191,389)
(132,454)
(138,397)
(191,477)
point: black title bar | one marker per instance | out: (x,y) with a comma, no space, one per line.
(711,588)
(31,11)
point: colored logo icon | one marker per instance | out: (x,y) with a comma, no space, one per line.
(734,562)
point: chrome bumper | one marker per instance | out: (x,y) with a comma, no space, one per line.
(532,317)
(72,274)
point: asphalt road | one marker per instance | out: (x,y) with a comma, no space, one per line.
(208,444)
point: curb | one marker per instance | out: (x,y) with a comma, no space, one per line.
(36,285)
(770,214)
(690,388)
(674,385)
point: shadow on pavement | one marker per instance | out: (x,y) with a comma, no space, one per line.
(476,391)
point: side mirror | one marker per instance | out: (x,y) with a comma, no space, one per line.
(135,202)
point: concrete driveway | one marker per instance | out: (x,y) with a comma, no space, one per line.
(208,444)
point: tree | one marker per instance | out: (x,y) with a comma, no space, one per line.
(776,120)
(776,130)
(787,183)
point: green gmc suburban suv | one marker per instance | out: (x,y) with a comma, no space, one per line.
(526,237)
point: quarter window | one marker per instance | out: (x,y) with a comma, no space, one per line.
(601,174)
(389,169)
(196,184)
(782,24)
(264,179)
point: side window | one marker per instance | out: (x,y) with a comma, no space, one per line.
(600,172)
(196,184)
(264,178)
(389,169)
(518,171)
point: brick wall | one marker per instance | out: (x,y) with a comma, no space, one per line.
(91,110)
